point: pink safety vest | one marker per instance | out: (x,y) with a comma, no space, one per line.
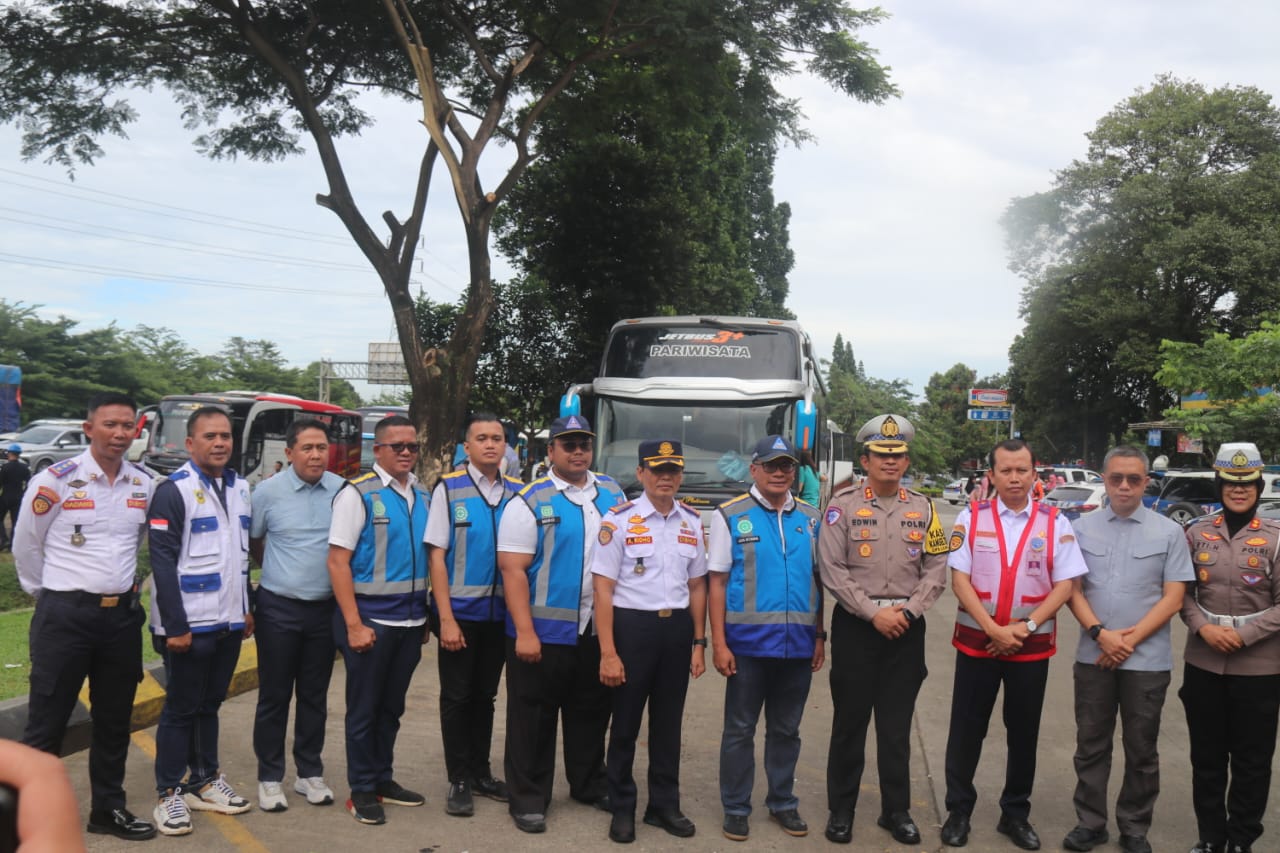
(1011,580)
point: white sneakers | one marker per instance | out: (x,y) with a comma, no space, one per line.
(218,796)
(271,797)
(314,789)
(171,814)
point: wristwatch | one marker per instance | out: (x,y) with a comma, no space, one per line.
(700,641)
(1032,626)
(822,635)
(1094,631)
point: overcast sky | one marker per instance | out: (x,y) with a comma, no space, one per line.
(894,208)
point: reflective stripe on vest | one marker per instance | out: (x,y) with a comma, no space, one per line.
(474,580)
(378,583)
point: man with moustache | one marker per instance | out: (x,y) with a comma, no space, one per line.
(766,625)
(545,543)
(75,546)
(199,540)
(469,613)
(1013,564)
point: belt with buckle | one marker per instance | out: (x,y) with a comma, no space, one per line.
(889,602)
(90,599)
(1230,621)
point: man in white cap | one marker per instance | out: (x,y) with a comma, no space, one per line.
(1231,676)
(883,555)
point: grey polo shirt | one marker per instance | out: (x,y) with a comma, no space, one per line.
(1130,560)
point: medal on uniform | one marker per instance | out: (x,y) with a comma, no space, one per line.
(77,538)
(639,569)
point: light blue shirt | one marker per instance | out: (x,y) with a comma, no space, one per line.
(294,517)
(1130,560)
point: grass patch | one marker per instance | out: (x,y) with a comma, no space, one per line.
(16,608)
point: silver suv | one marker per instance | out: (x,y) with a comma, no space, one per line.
(51,441)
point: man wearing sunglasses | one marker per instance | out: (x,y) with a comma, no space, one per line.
(766,626)
(378,567)
(545,542)
(1139,567)
(883,555)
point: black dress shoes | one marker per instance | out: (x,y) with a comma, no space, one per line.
(672,820)
(791,822)
(460,802)
(1134,843)
(1020,832)
(622,829)
(901,826)
(494,789)
(121,823)
(839,828)
(955,832)
(1083,839)
(531,823)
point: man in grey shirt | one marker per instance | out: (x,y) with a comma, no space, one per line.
(1139,565)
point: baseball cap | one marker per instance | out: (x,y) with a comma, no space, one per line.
(14,448)
(657,452)
(774,447)
(573,423)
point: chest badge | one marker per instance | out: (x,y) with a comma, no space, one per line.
(864,550)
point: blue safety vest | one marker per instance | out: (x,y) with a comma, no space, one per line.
(475,591)
(389,564)
(772,595)
(555,575)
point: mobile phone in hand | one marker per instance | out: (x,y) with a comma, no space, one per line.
(8,819)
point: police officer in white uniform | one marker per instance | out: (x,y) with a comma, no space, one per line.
(76,548)
(651,601)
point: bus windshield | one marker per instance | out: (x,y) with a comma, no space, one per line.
(717,437)
(643,351)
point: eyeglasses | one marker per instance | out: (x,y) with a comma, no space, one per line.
(1134,480)
(574,445)
(401,446)
(786,466)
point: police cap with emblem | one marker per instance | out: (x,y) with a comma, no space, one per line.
(654,453)
(886,434)
(573,423)
(774,447)
(1238,462)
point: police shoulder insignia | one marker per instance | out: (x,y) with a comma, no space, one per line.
(622,507)
(833,514)
(606,532)
(45,499)
(63,468)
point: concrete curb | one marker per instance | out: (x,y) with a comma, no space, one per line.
(146,704)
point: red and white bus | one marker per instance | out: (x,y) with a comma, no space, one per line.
(258,424)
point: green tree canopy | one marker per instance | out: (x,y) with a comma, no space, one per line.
(1165,230)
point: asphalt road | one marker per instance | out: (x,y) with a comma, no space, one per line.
(576,827)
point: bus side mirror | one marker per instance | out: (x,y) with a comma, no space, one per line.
(806,424)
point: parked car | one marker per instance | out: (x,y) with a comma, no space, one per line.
(51,441)
(1191,494)
(1070,474)
(1268,507)
(1075,499)
(953,493)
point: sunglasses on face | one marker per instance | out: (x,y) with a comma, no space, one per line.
(786,466)
(574,445)
(400,447)
(1134,480)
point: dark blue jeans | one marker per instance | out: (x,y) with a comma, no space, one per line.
(295,652)
(196,683)
(781,687)
(377,681)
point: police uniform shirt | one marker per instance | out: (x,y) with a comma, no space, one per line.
(518,533)
(1068,562)
(77,530)
(651,557)
(349,518)
(720,541)
(882,548)
(439,532)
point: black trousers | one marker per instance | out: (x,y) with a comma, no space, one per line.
(295,653)
(72,639)
(973,697)
(655,652)
(871,673)
(1231,723)
(10,511)
(468,686)
(564,686)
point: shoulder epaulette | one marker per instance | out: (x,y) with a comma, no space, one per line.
(849,489)
(362,478)
(180,474)
(691,510)
(63,468)
(453,475)
(917,494)
(1046,509)
(622,507)
(984,504)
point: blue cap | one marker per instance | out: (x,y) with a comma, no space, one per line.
(774,447)
(658,452)
(573,423)
(15,448)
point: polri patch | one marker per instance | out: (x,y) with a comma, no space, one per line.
(833,514)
